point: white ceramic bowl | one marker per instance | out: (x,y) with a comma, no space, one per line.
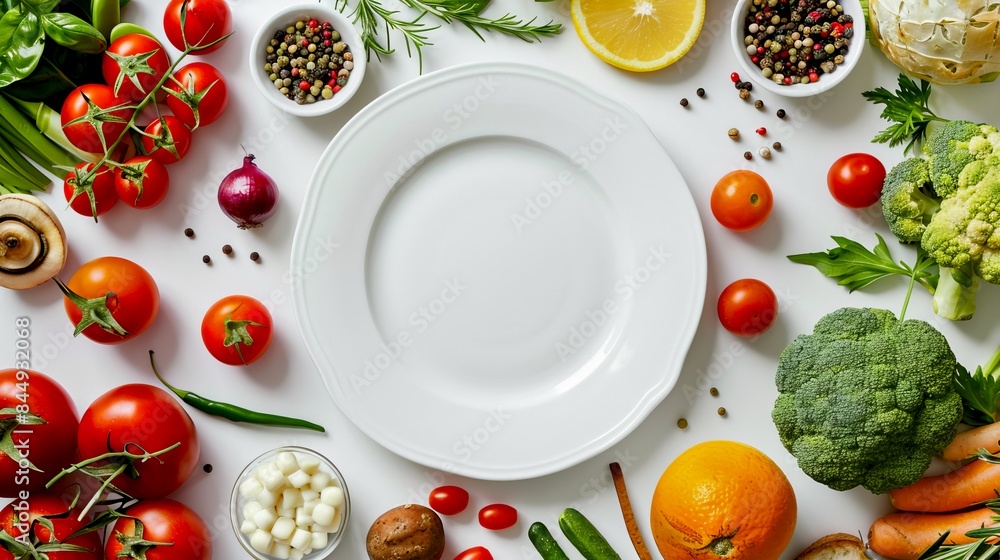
(287,16)
(749,71)
(237,502)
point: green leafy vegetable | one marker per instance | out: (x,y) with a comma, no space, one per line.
(907,109)
(21,43)
(855,267)
(71,31)
(980,392)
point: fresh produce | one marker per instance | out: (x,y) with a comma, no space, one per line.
(197,94)
(838,546)
(248,196)
(133,65)
(906,535)
(626,506)
(855,180)
(497,517)
(975,482)
(232,412)
(93,118)
(141,182)
(980,392)
(410,531)
(111,300)
(41,527)
(747,307)
(638,37)
(475,553)
(545,543)
(723,499)
(968,443)
(587,540)
(309,83)
(741,200)
(32,242)
(163,529)
(293,504)
(89,191)
(237,330)
(37,416)
(448,500)
(946,42)
(167,139)
(853,413)
(138,419)
(126,27)
(206,24)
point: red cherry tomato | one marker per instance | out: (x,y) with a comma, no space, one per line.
(177,531)
(237,330)
(168,141)
(747,307)
(205,21)
(36,513)
(197,94)
(497,517)
(448,500)
(91,119)
(125,290)
(134,58)
(475,553)
(90,194)
(855,180)
(142,182)
(741,200)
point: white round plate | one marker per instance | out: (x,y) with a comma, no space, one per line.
(497,271)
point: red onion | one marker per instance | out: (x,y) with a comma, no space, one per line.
(248,195)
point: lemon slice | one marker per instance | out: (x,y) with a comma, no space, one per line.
(638,35)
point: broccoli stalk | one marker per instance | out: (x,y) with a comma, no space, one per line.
(955,296)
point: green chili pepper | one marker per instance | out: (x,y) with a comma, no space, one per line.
(233,412)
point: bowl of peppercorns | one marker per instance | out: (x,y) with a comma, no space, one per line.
(797,48)
(307,59)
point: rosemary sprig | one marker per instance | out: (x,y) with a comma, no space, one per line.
(467,13)
(367,14)
(984,548)
(908,111)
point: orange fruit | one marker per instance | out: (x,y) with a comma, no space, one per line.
(638,35)
(723,499)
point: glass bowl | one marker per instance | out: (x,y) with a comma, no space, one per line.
(238,501)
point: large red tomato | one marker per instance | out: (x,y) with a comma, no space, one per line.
(30,398)
(197,94)
(26,520)
(162,521)
(138,418)
(117,290)
(133,65)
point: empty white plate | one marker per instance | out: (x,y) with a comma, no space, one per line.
(498,271)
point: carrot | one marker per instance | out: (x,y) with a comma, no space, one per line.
(905,535)
(976,482)
(967,443)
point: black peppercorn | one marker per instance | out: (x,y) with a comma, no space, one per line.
(206,259)
(700,92)
(188,232)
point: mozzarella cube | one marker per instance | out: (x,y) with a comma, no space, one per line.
(301,539)
(264,519)
(281,550)
(309,464)
(323,514)
(332,496)
(299,479)
(303,519)
(291,498)
(248,527)
(283,528)
(282,512)
(320,481)
(286,463)
(298,554)
(251,508)
(273,480)
(267,499)
(310,505)
(335,524)
(250,488)
(320,540)
(308,495)
(261,541)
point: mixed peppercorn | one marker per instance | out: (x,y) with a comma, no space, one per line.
(796,41)
(308,61)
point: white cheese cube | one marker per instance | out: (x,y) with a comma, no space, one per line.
(308,495)
(261,541)
(320,481)
(298,554)
(333,496)
(248,527)
(267,499)
(320,540)
(291,498)
(282,512)
(273,481)
(303,519)
(250,488)
(286,463)
(283,528)
(281,550)
(301,539)
(310,505)
(335,524)
(309,464)
(323,514)
(251,508)
(299,479)
(264,519)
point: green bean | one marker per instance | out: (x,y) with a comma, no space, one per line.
(106,15)
(233,412)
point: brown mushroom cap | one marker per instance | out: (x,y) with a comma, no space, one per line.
(32,242)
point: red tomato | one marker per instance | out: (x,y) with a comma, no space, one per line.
(36,506)
(747,307)
(93,118)
(133,65)
(448,500)
(497,517)
(142,182)
(205,21)
(475,553)
(90,193)
(168,141)
(741,200)
(237,330)
(855,180)
(115,287)
(197,94)
(163,521)
(140,417)
(50,446)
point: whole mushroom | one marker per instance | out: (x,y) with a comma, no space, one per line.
(32,242)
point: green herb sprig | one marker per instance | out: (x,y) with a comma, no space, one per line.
(907,109)
(854,266)
(983,548)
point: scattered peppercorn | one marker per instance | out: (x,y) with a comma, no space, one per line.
(747,156)
(227,249)
(684,102)
(735,77)
(762,131)
(722,411)
(765,153)
(188,232)
(758,104)
(744,94)
(682,423)
(714,392)
(254,256)
(700,92)
(781,113)
(776,146)
(206,259)
(207,468)
(734,133)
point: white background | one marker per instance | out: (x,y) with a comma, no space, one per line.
(816,132)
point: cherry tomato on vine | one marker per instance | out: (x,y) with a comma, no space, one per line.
(93,118)
(120,298)
(475,553)
(167,139)
(39,511)
(137,418)
(142,182)
(497,517)
(448,500)
(133,65)
(205,21)
(741,200)
(197,94)
(237,330)
(747,307)
(53,443)
(184,534)
(90,193)
(855,180)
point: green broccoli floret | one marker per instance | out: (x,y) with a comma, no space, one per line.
(952,146)
(866,399)
(908,199)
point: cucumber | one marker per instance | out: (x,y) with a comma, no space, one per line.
(547,546)
(126,28)
(585,537)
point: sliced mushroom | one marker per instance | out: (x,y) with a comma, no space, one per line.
(32,242)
